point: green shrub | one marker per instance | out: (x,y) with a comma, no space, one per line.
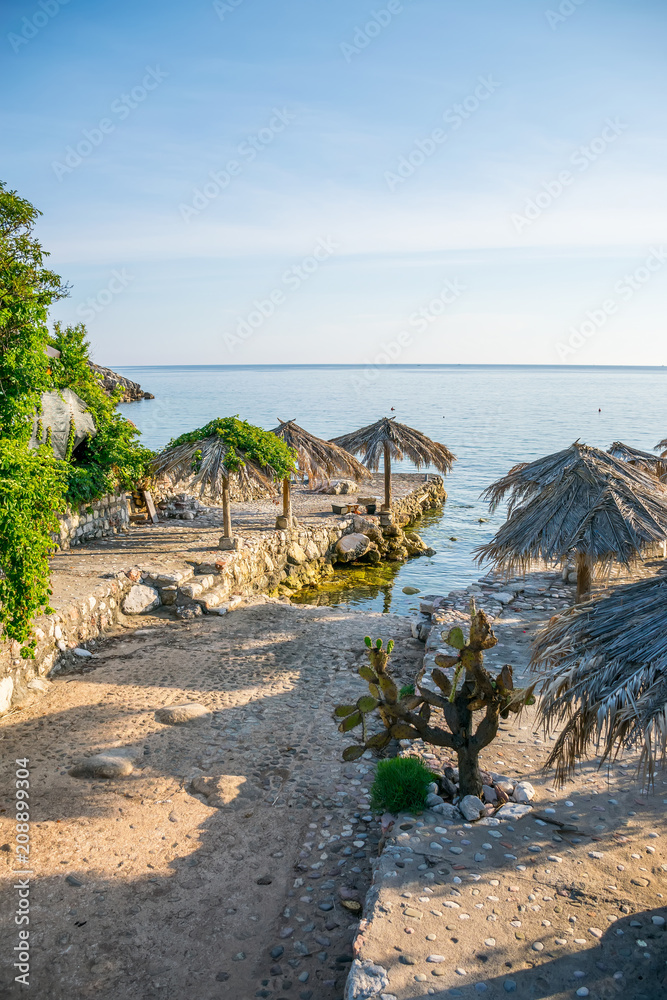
(245,441)
(31,494)
(400,785)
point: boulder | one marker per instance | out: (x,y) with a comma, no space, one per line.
(471,807)
(179,715)
(523,792)
(433,799)
(411,590)
(102,765)
(489,793)
(295,555)
(141,599)
(365,980)
(513,810)
(449,812)
(351,547)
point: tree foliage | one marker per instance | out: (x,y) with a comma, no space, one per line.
(34,486)
(244,441)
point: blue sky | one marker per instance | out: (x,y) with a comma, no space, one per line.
(266,181)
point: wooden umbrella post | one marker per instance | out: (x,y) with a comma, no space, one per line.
(583,576)
(226,542)
(287,501)
(387,477)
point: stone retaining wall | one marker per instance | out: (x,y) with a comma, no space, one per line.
(262,563)
(106,516)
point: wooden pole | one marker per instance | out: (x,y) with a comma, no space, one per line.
(226,510)
(287,501)
(583,576)
(387,477)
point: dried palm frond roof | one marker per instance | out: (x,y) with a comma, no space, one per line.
(580,513)
(635,456)
(319,459)
(605,675)
(403,442)
(581,460)
(225,447)
(662,447)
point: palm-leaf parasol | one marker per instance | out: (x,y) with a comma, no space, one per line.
(209,456)
(605,665)
(386,439)
(316,458)
(579,501)
(644,460)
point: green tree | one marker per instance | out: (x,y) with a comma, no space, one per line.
(27,288)
(113,459)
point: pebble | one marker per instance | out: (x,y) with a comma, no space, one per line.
(509,986)
(436,959)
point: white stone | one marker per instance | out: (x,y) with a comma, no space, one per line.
(471,807)
(513,810)
(102,766)
(178,715)
(489,793)
(351,547)
(365,980)
(79,651)
(140,599)
(524,792)
(6,692)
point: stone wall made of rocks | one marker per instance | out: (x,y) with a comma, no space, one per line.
(106,516)
(263,563)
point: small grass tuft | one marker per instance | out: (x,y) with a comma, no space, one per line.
(400,785)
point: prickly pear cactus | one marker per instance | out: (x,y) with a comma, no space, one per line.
(444,717)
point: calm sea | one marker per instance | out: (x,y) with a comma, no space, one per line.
(491,417)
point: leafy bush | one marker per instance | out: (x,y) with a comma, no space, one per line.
(113,459)
(400,785)
(31,494)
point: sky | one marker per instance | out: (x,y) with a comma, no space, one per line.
(303,181)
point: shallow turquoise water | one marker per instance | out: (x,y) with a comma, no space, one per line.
(491,417)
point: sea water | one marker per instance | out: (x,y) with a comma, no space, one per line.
(490,417)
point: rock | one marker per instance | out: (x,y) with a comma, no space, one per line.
(102,766)
(471,807)
(295,555)
(141,599)
(489,793)
(513,810)
(73,880)
(448,811)
(83,653)
(504,597)
(178,715)
(411,590)
(188,612)
(228,544)
(365,980)
(433,799)
(523,792)
(351,547)
(505,785)
(6,692)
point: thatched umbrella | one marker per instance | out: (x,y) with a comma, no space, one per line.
(606,675)
(209,456)
(579,501)
(662,448)
(386,439)
(316,458)
(644,460)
